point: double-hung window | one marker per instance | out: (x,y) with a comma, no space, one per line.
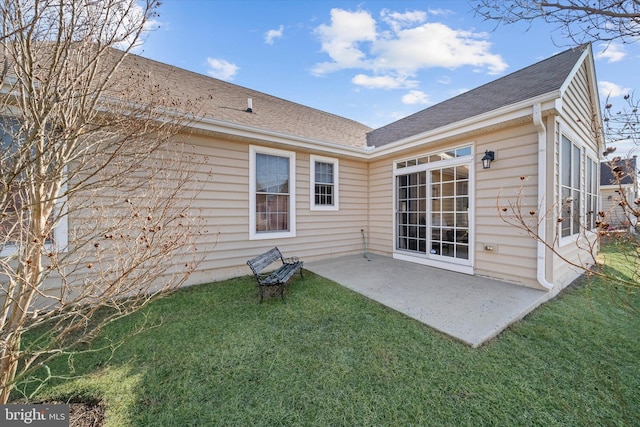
(324,183)
(272,193)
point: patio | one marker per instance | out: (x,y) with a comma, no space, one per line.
(472,309)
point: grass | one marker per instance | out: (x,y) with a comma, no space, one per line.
(332,357)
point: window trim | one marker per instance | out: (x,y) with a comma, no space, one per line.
(313,159)
(592,196)
(60,231)
(585,154)
(466,266)
(256,235)
(573,186)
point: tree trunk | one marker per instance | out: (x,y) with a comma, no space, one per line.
(29,277)
(8,366)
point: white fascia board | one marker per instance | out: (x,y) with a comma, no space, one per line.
(615,186)
(500,115)
(220,126)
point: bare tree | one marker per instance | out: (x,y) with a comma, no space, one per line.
(95,187)
(578,20)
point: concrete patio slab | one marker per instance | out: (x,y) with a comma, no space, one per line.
(472,309)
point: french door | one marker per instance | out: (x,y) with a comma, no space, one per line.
(432,212)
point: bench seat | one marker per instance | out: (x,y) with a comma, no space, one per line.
(277,278)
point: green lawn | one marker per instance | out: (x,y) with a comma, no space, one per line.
(332,357)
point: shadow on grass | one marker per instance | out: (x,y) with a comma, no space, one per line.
(332,357)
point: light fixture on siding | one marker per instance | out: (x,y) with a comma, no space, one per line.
(489,156)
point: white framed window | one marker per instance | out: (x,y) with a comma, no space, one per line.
(324,189)
(570,187)
(272,198)
(58,240)
(578,189)
(592,193)
(55,243)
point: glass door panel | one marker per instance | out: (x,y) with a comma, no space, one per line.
(411,212)
(432,212)
(449,200)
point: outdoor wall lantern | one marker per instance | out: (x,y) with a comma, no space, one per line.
(489,156)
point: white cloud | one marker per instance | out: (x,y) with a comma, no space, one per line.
(415,97)
(397,20)
(441,12)
(382,82)
(612,52)
(611,90)
(221,69)
(340,39)
(353,41)
(437,45)
(271,35)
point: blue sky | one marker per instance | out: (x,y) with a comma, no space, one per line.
(371,61)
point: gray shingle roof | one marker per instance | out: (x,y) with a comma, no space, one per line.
(538,79)
(228,102)
(627,167)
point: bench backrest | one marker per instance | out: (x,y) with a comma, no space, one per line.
(264,260)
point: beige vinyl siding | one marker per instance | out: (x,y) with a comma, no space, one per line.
(222,169)
(381,207)
(577,109)
(574,119)
(85,210)
(332,233)
(224,201)
(611,197)
(513,257)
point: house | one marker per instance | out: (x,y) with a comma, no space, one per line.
(615,190)
(312,183)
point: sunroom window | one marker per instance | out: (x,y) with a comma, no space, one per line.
(592,193)
(571,188)
(578,189)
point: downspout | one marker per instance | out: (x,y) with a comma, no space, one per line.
(542,199)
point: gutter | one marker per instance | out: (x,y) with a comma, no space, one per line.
(245,131)
(500,115)
(542,200)
(503,114)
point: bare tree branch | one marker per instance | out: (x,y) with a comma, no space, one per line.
(92,142)
(578,20)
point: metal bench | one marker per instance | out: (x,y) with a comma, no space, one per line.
(277,278)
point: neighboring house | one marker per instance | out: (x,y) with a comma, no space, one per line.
(307,181)
(619,184)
